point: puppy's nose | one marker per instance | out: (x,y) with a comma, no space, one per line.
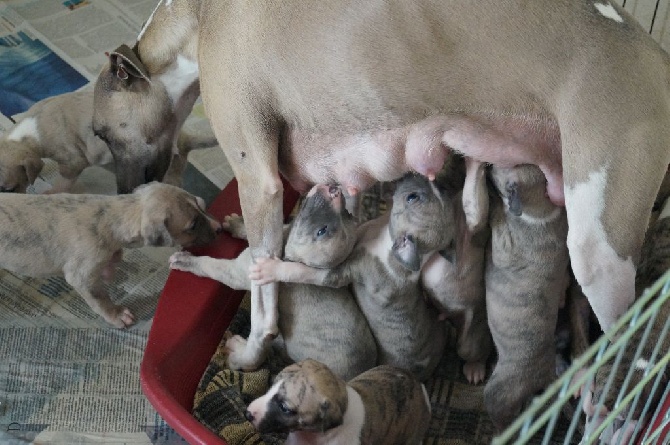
(248,416)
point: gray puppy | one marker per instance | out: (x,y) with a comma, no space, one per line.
(526,281)
(60,128)
(384,271)
(315,322)
(82,236)
(384,406)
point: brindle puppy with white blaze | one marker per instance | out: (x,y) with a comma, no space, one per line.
(526,280)
(382,406)
(82,236)
(315,322)
(385,271)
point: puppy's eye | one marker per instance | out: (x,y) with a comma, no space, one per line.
(284,408)
(412,197)
(322,231)
(191,227)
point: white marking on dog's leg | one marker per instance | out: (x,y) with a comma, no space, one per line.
(27,128)
(608,11)
(179,76)
(607,280)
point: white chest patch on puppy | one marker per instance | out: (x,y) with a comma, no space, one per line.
(27,128)
(179,76)
(608,11)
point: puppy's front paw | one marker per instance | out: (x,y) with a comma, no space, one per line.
(475,372)
(234,224)
(181,260)
(120,317)
(264,270)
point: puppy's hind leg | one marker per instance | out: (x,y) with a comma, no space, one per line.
(252,137)
(88,283)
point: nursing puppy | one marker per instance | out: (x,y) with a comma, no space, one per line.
(60,128)
(384,271)
(315,322)
(655,262)
(82,236)
(526,281)
(384,405)
(453,278)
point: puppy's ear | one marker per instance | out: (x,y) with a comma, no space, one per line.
(513,197)
(155,232)
(405,250)
(33,167)
(126,65)
(475,197)
(331,415)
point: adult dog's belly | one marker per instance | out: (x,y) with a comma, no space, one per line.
(356,161)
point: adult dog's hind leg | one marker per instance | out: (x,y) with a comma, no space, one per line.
(611,180)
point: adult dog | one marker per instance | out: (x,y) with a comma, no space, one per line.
(352,92)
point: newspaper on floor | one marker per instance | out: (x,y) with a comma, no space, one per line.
(66,376)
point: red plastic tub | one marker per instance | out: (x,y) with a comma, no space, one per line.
(191,317)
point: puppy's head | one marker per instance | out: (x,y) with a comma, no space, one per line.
(305,396)
(19,167)
(172,216)
(422,219)
(522,189)
(323,233)
(134,116)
